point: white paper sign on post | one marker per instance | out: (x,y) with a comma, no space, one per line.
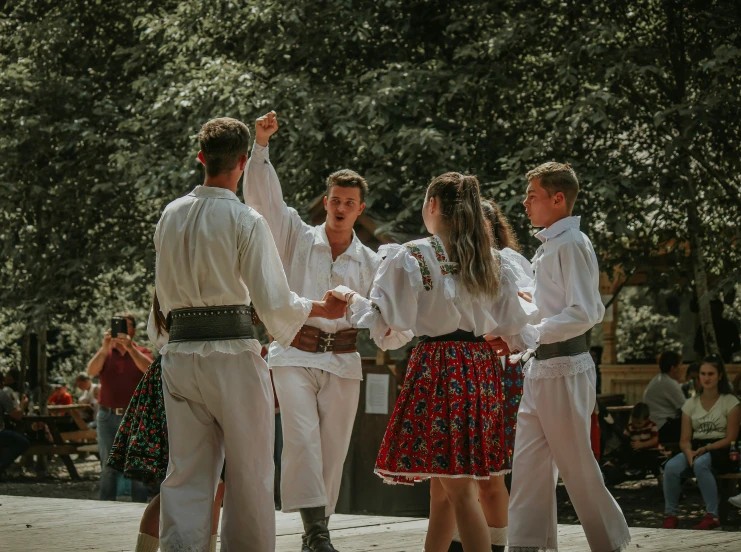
(377,393)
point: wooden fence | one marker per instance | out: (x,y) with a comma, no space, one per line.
(631,379)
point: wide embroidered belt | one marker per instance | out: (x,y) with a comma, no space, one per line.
(211,323)
(314,340)
(571,347)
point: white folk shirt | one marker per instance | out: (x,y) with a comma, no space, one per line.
(213,250)
(416,289)
(307,260)
(567,295)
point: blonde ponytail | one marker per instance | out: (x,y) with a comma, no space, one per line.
(470,242)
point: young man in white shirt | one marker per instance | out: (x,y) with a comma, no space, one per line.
(317,376)
(665,398)
(214,255)
(553,422)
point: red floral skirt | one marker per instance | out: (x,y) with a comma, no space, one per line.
(448,419)
(512,383)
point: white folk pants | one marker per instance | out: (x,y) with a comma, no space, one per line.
(553,438)
(218,407)
(317,411)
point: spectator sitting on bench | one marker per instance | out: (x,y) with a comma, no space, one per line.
(710,423)
(12,443)
(691,380)
(60,395)
(664,397)
(640,451)
(89,396)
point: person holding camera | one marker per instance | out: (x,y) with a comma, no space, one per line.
(119,364)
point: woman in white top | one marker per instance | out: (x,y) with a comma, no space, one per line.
(493,494)
(710,424)
(450,289)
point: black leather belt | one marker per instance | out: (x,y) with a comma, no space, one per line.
(457,335)
(211,323)
(574,346)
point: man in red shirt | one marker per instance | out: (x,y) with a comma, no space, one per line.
(119,364)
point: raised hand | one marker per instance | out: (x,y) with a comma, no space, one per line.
(265,127)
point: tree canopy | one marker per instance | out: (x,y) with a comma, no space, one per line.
(101,103)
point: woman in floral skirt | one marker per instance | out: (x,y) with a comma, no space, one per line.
(450,289)
(140,449)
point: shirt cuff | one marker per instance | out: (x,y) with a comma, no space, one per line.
(261,152)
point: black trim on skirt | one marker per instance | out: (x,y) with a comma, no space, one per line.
(457,335)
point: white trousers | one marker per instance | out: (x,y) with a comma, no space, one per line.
(218,407)
(552,438)
(317,411)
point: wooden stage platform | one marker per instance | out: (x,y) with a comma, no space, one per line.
(59,525)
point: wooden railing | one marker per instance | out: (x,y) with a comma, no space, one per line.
(631,379)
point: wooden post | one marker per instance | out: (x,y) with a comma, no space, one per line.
(43,385)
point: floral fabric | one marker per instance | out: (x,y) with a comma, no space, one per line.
(448,419)
(512,384)
(140,449)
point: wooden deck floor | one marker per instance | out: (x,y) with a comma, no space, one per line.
(58,525)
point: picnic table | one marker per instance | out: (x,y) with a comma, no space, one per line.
(64,443)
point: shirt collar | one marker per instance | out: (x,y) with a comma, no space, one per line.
(353,250)
(212,191)
(558,228)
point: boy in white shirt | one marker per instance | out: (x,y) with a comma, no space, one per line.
(553,422)
(317,376)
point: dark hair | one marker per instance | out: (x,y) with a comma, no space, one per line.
(160,322)
(668,360)
(724,386)
(223,141)
(346,178)
(470,242)
(557,177)
(499,226)
(640,411)
(82,376)
(127,315)
(693,367)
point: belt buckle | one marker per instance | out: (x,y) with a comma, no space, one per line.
(327,345)
(119,411)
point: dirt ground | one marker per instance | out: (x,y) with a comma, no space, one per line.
(642,501)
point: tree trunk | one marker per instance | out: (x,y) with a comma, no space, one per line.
(25,360)
(697,257)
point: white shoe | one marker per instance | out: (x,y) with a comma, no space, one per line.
(735,500)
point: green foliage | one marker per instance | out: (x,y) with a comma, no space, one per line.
(643,331)
(101,102)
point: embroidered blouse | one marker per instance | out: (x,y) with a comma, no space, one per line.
(416,288)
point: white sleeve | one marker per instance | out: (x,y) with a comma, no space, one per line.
(512,313)
(263,192)
(392,302)
(579,279)
(282,311)
(525,277)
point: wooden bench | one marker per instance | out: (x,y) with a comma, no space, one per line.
(65,443)
(727,487)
